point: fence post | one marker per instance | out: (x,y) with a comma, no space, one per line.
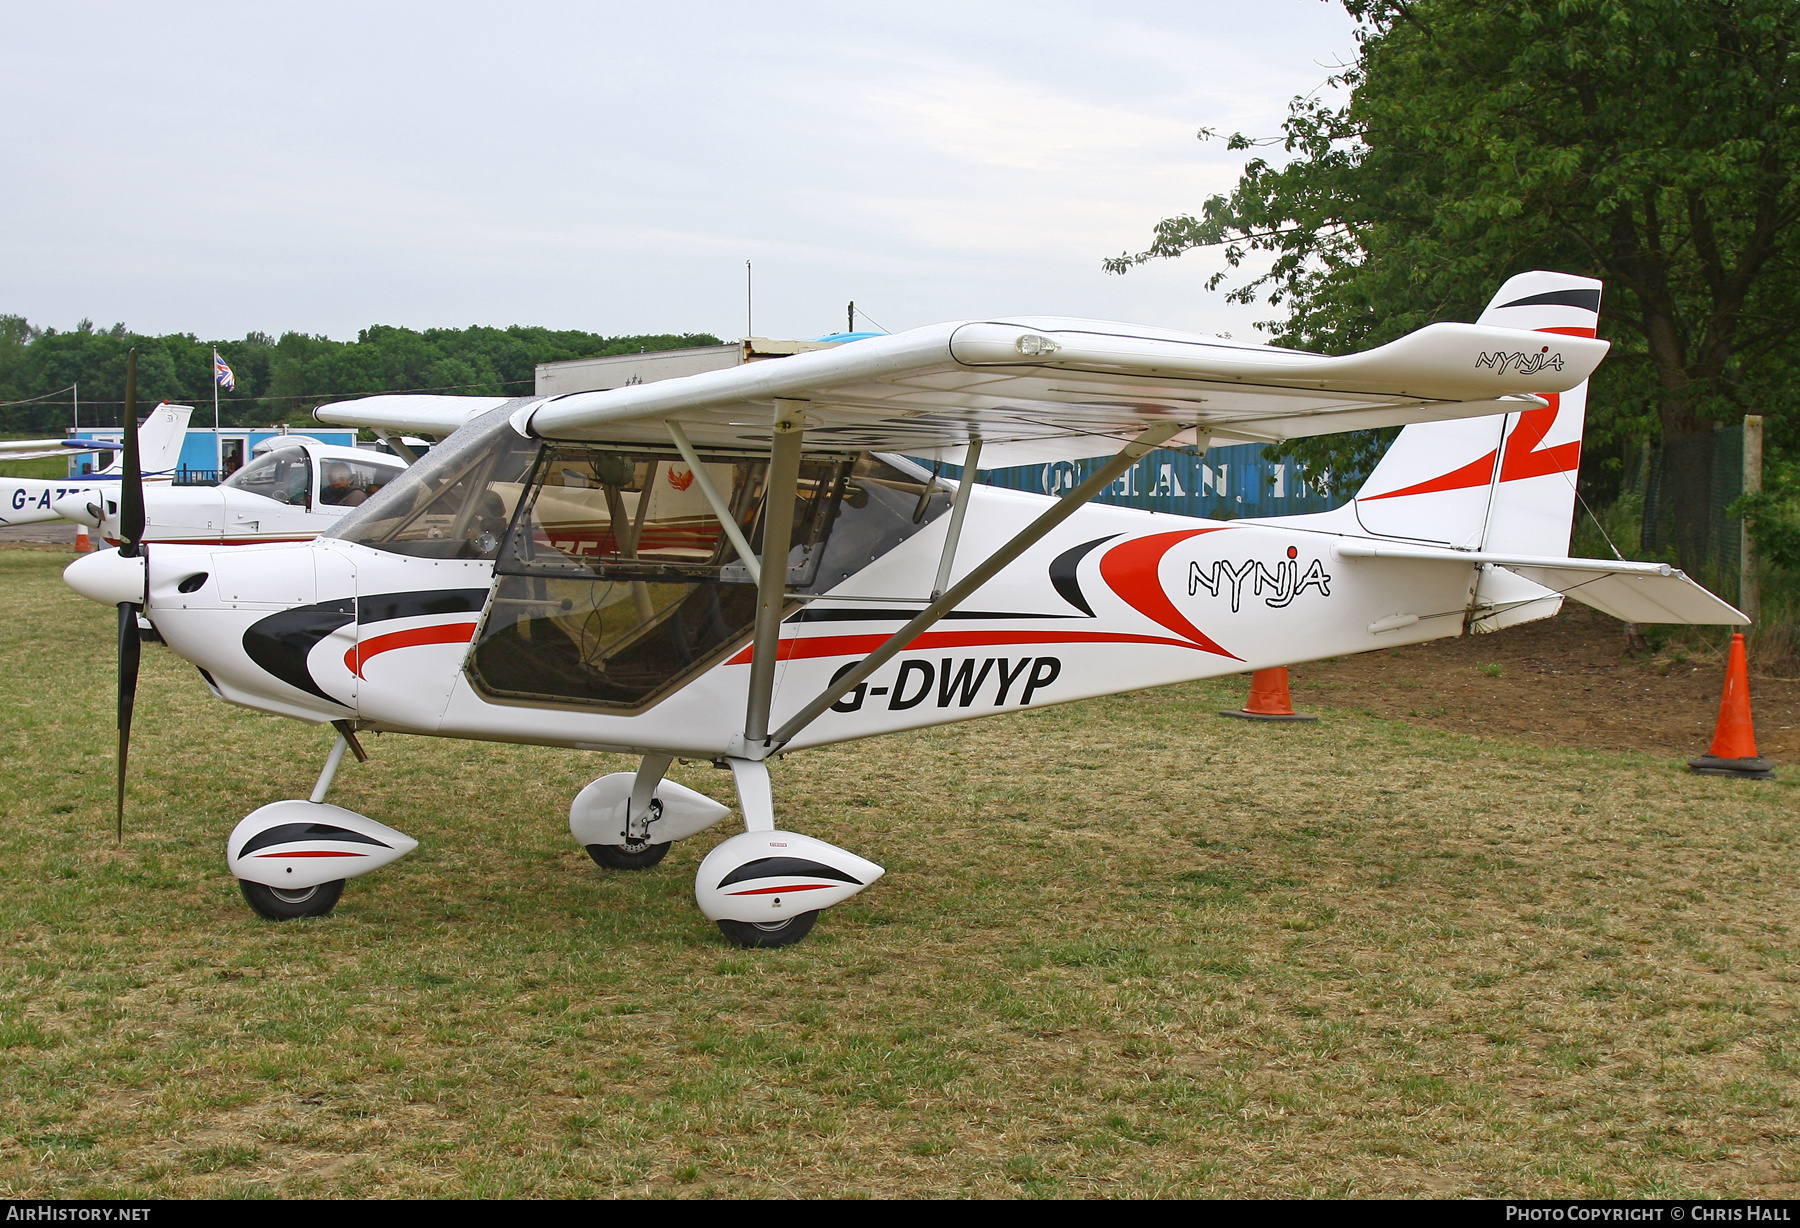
(1749,582)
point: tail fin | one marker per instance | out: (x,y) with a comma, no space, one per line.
(1499,483)
(160,439)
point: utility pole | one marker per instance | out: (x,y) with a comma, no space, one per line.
(749,318)
(1749,583)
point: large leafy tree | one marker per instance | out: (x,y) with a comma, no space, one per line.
(1651,143)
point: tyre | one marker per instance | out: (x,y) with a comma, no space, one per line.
(618,857)
(769,934)
(283,904)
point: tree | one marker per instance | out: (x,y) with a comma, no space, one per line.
(280,380)
(1652,143)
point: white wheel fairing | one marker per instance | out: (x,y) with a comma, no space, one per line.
(597,815)
(294,845)
(766,877)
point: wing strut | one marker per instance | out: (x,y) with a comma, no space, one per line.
(771,587)
(957,511)
(1026,538)
(720,508)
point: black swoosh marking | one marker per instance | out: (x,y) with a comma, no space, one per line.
(287,833)
(281,642)
(1065,569)
(1587,300)
(381,607)
(781,867)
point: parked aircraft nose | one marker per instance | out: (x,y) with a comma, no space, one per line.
(83,507)
(107,577)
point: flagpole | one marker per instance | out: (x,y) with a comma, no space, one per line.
(218,447)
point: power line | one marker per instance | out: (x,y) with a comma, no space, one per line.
(48,395)
(304,396)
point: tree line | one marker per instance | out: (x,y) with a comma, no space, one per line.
(277,380)
(1654,144)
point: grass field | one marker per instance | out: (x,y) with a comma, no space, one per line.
(1124,948)
(51,467)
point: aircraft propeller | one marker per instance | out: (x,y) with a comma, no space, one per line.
(131,533)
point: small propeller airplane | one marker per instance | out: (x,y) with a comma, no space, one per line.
(744,562)
(32,500)
(295,490)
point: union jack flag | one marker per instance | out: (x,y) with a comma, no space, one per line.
(222,375)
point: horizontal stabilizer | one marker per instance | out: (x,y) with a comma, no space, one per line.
(1634,592)
(1638,597)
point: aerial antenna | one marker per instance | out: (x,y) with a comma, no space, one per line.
(850,324)
(749,327)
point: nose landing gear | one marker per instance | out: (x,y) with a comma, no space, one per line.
(292,858)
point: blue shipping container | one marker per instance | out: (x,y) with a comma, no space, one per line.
(1227,483)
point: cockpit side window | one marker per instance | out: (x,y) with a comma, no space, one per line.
(455,503)
(350,481)
(617,583)
(284,475)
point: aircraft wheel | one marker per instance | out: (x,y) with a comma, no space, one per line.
(281,904)
(769,934)
(618,857)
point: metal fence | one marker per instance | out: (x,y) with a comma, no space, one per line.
(196,477)
(1227,483)
(1715,543)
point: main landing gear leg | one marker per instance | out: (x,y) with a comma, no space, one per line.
(755,797)
(637,852)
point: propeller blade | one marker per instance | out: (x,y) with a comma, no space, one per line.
(130,648)
(131,480)
(131,536)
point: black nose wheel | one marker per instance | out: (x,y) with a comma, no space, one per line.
(290,904)
(769,933)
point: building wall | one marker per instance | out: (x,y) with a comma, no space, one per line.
(200,451)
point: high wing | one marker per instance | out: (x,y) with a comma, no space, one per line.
(407,413)
(33,449)
(1040,389)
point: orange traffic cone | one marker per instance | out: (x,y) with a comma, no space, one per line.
(1733,750)
(82,544)
(1269,699)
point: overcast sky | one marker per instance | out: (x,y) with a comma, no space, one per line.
(219,169)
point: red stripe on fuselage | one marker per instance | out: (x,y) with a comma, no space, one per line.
(442,633)
(216,541)
(1131,569)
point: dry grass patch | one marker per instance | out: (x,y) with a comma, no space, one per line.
(1124,948)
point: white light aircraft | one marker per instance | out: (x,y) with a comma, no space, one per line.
(30,500)
(295,490)
(740,563)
